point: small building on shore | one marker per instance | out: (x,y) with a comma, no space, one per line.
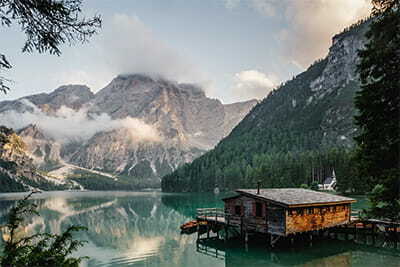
(329,184)
(286,211)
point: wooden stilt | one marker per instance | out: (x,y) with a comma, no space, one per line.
(227,230)
(355,233)
(271,242)
(373,234)
(241,227)
(198,230)
(274,239)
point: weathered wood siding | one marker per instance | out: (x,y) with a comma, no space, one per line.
(247,218)
(279,220)
(315,218)
(276,220)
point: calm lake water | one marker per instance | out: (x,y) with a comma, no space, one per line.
(142,229)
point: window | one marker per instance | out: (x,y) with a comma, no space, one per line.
(300,212)
(258,209)
(238,210)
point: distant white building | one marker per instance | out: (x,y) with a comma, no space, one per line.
(329,184)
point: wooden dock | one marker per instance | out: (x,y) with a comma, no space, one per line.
(212,215)
(216,220)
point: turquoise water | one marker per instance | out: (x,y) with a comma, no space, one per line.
(142,229)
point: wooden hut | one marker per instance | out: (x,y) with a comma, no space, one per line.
(286,211)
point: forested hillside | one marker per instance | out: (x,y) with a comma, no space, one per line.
(298,134)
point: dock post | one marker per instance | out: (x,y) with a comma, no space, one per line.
(355,233)
(271,244)
(241,227)
(364,235)
(373,234)
(208,231)
(198,230)
(227,230)
(246,239)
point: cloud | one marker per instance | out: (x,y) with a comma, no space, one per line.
(312,24)
(129,46)
(231,4)
(252,84)
(309,25)
(265,7)
(68,124)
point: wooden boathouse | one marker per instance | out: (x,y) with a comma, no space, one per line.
(290,212)
(286,211)
(274,212)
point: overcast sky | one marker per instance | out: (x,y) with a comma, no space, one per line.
(236,49)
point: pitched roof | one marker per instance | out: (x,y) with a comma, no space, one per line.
(232,197)
(328,180)
(295,197)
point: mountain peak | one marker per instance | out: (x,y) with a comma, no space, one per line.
(77,89)
(135,76)
(73,96)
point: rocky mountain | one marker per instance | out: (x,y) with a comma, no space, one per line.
(285,139)
(17,171)
(43,150)
(138,128)
(71,96)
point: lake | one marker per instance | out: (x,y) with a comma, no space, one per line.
(142,229)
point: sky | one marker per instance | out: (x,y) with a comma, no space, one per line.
(235,49)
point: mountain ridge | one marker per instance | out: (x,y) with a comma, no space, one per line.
(138,127)
(296,125)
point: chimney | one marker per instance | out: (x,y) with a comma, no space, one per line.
(258,187)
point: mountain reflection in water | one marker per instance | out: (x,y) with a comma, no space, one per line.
(142,229)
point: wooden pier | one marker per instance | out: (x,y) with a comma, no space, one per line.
(370,231)
(215,224)
(287,215)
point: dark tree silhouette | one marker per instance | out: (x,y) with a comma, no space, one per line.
(40,249)
(378,103)
(47,24)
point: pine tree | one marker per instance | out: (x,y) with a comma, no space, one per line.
(47,24)
(378,104)
(42,249)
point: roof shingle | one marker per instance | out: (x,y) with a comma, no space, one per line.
(295,196)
